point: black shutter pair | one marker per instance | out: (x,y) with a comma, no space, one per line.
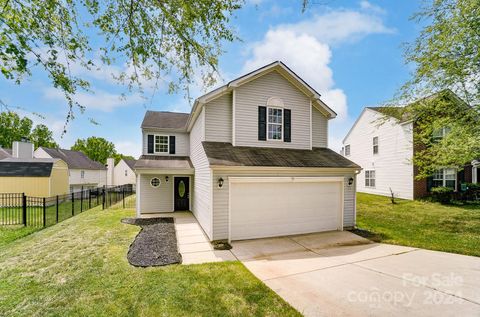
(262,124)
(150,144)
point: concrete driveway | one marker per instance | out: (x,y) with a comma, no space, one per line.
(341,274)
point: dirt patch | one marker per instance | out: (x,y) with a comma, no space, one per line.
(155,244)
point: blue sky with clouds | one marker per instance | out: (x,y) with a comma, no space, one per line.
(349,51)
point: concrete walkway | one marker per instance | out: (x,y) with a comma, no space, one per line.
(341,274)
(193,244)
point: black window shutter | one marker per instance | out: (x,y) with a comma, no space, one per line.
(262,123)
(172,144)
(150,143)
(429,183)
(287,125)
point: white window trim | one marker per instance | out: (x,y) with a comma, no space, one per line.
(154,143)
(444,179)
(370,179)
(159,182)
(373,145)
(282,124)
(444,130)
(82,174)
(349,150)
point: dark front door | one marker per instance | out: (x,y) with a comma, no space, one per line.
(182,193)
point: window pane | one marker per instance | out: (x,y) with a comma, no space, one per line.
(274,132)
(450,183)
(437,183)
(161,143)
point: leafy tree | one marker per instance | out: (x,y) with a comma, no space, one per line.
(447,57)
(118,157)
(159,41)
(96,148)
(42,136)
(13,128)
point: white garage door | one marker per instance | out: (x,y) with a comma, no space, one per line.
(267,207)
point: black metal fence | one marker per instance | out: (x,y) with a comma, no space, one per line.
(19,209)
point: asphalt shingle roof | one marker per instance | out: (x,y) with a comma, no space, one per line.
(130,162)
(25,169)
(165,120)
(74,159)
(224,154)
(163,162)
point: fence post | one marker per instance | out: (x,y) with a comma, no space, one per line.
(73,204)
(44,213)
(56,214)
(24,209)
(103,198)
(81,200)
(123,196)
(89,199)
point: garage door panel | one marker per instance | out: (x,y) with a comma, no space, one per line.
(283,208)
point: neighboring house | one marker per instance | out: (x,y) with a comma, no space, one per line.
(121,174)
(250,160)
(21,173)
(5,153)
(83,172)
(381,142)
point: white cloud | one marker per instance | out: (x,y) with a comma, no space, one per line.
(306,48)
(100,100)
(335,27)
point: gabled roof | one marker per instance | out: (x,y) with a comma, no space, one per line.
(130,162)
(15,167)
(4,153)
(225,154)
(165,120)
(283,69)
(74,159)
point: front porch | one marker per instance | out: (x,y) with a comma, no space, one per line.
(193,243)
(164,184)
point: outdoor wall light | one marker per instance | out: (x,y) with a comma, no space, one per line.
(350,181)
(166,178)
(220,182)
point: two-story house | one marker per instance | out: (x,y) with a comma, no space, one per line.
(250,160)
(122,173)
(83,172)
(381,141)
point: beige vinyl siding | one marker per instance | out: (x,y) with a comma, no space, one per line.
(182,142)
(156,199)
(218,119)
(95,178)
(250,96)
(221,196)
(59,179)
(202,186)
(392,165)
(319,129)
(119,177)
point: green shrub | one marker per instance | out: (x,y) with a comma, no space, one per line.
(442,194)
(472,186)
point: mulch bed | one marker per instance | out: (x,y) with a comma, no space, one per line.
(155,244)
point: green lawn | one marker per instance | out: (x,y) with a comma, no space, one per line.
(79,268)
(420,224)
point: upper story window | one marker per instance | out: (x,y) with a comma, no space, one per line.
(126,172)
(274,123)
(347,150)
(370,178)
(445,177)
(82,174)
(440,133)
(375,145)
(161,143)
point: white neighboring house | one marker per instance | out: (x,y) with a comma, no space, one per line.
(381,142)
(83,173)
(384,151)
(250,160)
(121,174)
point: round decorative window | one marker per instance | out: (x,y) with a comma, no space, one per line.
(155,182)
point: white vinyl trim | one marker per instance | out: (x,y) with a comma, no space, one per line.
(233,118)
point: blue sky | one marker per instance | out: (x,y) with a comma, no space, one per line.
(350,51)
